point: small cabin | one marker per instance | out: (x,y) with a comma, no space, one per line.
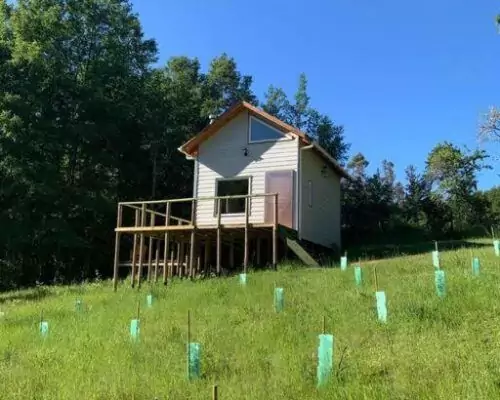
(259,185)
(246,151)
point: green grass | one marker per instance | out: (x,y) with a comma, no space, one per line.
(431,348)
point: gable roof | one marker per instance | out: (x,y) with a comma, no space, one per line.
(190,148)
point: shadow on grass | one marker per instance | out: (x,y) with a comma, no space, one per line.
(35,294)
(398,250)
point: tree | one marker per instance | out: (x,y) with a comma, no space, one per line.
(299,114)
(453,173)
(70,124)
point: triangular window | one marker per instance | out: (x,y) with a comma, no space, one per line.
(261,132)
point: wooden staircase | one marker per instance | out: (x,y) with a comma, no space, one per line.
(290,238)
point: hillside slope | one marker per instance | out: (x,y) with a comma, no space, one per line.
(431,348)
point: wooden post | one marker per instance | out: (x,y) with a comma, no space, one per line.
(206,256)
(375,277)
(198,265)
(117,248)
(150,250)
(218,236)
(167,242)
(193,239)
(215,393)
(245,254)
(185,265)
(275,233)
(171,267)
(179,258)
(134,250)
(141,246)
(157,260)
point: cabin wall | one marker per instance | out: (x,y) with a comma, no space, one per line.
(319,213)
(222,156)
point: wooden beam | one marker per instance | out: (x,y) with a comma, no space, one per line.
(153,229)
(117,249)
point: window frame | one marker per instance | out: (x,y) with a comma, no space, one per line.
(234,178)
(250,141)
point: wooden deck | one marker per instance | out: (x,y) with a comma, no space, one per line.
(177,239)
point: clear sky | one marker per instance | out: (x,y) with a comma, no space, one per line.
(399,75)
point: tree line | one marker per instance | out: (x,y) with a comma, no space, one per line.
(87,120)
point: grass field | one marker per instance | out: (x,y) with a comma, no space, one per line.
(431,348)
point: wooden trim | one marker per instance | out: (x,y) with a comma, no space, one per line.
(191,146)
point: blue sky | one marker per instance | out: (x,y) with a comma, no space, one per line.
(399,75)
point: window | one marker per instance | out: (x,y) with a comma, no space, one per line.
(261,132)
(232,187)
(310,192)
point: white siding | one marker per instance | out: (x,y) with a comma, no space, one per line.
(321,222)
(222,156)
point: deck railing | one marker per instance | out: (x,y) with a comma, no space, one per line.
(155,215)
(155,218)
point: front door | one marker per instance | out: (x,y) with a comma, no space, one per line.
(280,182)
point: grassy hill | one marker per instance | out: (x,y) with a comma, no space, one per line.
(431,348)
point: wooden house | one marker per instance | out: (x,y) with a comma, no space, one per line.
(254,177)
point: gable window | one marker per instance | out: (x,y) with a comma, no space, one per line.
(261,132)
(232,187)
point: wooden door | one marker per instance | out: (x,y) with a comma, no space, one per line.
(280,182)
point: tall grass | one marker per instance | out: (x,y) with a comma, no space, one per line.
(431,348)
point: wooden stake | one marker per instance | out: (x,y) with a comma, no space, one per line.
(375,277)
(138,309)
(215,393)
(436,245)
(324,324)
